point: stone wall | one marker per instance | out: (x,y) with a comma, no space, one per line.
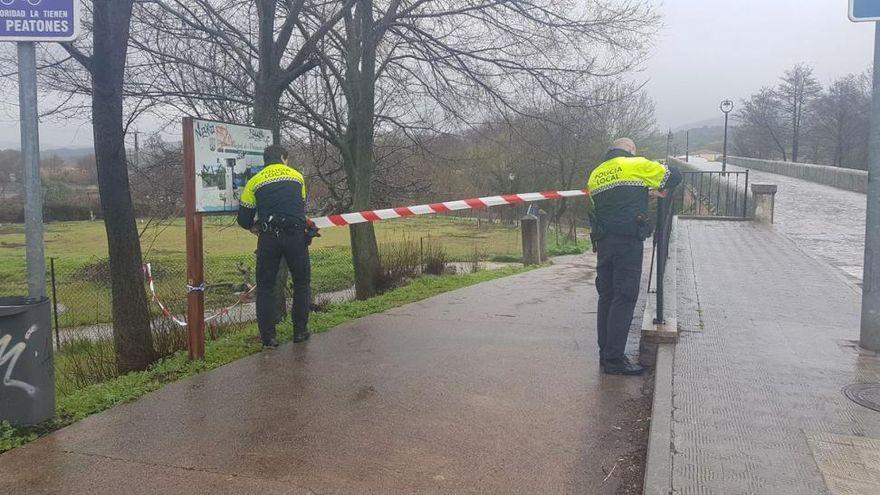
(843,178)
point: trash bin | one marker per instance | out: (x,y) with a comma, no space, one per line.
(27,373)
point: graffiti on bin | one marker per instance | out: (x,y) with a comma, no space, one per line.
(10,358)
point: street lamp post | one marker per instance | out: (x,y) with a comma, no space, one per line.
(726,107)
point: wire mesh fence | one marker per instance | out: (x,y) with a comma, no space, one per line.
(81,293)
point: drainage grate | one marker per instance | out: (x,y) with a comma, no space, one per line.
(864,394)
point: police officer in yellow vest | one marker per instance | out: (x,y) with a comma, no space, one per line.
(276,197)
(619,224)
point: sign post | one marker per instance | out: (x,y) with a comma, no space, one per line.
(28,319)
(26,22)
(218,160)
(869,338)
(30,159)
(195,265)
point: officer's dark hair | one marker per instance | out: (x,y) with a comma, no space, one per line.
(274,153)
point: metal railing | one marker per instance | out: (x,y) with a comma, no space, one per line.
(710,194)
(662,236)
(713,194)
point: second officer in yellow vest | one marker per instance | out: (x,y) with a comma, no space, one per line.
(619,224)
(273,201)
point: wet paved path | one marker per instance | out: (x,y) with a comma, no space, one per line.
(827,222)
(766,347)
(491,389)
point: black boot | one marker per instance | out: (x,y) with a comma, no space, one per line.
(271,344)
(622,367)
(301,336)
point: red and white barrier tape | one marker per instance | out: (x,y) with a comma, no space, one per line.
(386,214)
(148,273)
(467,204)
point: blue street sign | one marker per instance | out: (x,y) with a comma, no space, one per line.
(864,10)
(39,20)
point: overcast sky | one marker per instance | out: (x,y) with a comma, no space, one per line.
(708,50)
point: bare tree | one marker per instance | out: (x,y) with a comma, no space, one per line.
(760,125)
(225,56)
(841,121)
(106,67)
(418,66)
(797,90)
(426,66)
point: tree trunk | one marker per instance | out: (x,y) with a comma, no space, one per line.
(364,247)
(266,103)
(132,339)
(361,72)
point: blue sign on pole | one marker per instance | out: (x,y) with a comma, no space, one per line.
(39,20)
(864,10)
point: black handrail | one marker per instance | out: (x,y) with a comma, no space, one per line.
(662,235)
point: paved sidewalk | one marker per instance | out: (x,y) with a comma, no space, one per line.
(491,389)
(827,222)
(767,345)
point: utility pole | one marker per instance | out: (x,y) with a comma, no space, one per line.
(870,329)
(668,145)
(30,157)
(726,107)
(137,150)
(687,146)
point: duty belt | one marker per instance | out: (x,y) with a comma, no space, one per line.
(277,225)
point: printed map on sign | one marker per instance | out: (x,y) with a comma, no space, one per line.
(226,156)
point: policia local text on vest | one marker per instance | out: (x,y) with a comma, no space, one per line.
(272,206)
(619,225)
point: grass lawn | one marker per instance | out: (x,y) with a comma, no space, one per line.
(80,248)
(222,237)
(75,403)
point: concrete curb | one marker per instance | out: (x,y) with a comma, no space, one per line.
(658,465)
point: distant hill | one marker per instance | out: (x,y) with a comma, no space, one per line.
(706,138)
(69,155)
(712,122)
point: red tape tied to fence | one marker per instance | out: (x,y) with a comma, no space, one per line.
(465,204)
(148,273)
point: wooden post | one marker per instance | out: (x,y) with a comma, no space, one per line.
(543,227)
(195,269)
(530,240)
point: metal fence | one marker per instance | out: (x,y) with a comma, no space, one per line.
(713,194)
(81,295)
(708,194)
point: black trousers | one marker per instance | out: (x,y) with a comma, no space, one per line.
(619,274)
(293,248)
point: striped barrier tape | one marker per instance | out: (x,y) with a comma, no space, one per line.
(466,204)
(148,273)
(375,216)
